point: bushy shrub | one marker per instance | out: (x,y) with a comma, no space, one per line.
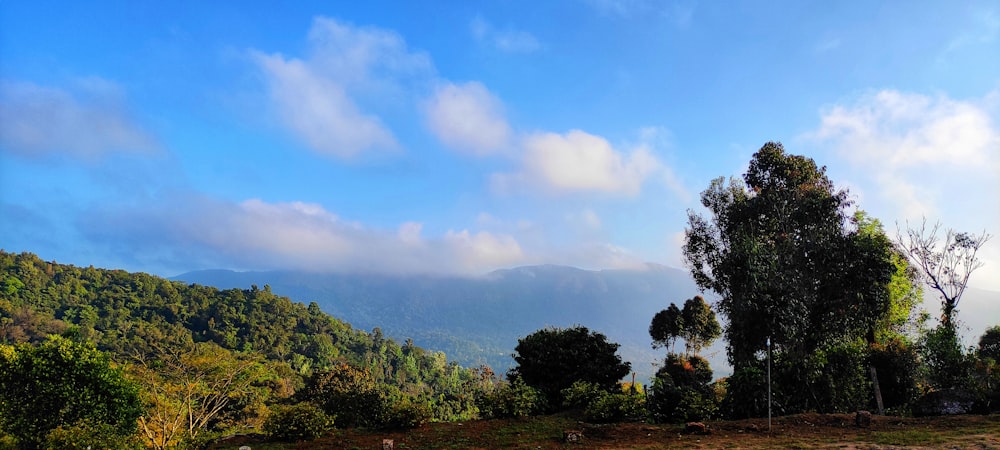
(513,399)
(299,422)
(840,381)
(88,434)
(746,394)
(946,362)
(897,366)
(408,413)
(581,394)
(617,407)
(350,395)
(682,390)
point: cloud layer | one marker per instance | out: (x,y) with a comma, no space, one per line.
(254,234)
(87,122)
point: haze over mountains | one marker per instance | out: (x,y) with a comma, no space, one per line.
(477,320)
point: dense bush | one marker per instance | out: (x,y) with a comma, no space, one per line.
(617,407)
(581,394)
(350,395)
(513,399)
(87,435)
(682,390)
(746,394)
(897,365)
(299,422)
(947,365)
(407,413)
(59,383)
(552,359)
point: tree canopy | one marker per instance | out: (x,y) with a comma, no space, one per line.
(552,359)
(777,249)
(61,382)
(695,323)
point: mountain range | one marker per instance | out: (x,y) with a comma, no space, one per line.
(478,320)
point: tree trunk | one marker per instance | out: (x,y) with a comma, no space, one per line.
(877,389)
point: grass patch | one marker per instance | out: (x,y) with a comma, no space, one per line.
(907,437)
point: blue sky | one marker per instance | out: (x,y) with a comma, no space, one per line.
(461,137)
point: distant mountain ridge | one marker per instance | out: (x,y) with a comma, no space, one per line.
(477,320)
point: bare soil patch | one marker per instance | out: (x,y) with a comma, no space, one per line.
(792,432)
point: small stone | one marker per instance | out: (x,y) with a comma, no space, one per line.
(387,444)
(572,436)
(863,419)
(245,447)
(696,428)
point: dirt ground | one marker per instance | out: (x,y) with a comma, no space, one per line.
(798,431)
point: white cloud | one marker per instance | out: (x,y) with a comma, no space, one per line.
(913,156)
(510,41)
(901,129)
(87,122)
(579,162)
(255,234)
(319,111)
(318,98)
(468,118)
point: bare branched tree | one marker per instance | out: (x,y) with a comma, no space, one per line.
(944,265)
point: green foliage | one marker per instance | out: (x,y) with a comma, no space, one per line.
(746,393)
(789,266)
(348,394)
(137,317)
(407,413)
(200,387)
(666,327)
(615,407)
(299,422)
(552,359)
(696,324)
(581,394)
(60,383)
(513,399)
(700,326)
(682,390)
(840,379)
(779,254)
(989,343)
(897,364)
(86,435)
(947,366)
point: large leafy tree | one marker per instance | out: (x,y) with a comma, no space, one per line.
(63,383)
(552,359)
(780,251)
(196,387)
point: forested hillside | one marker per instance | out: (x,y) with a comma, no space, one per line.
(145,322)
(478,320)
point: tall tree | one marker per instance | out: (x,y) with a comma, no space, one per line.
(945,266)
(700,326)
(779,250)
(666,327)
